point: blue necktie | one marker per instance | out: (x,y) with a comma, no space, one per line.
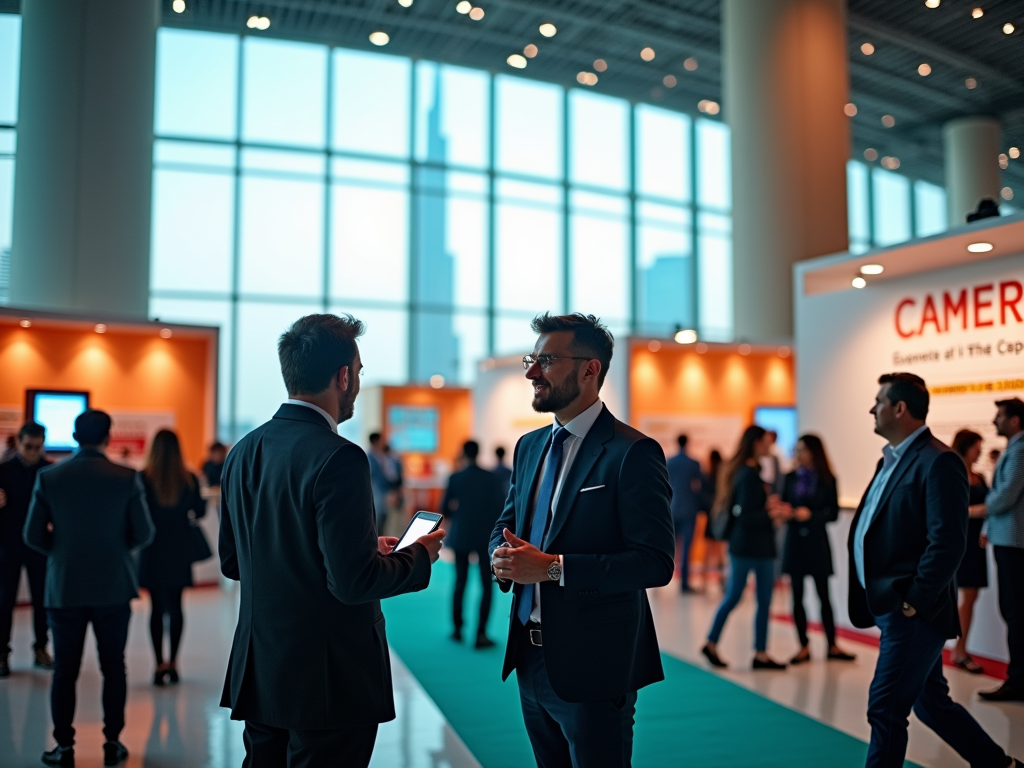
(541,512)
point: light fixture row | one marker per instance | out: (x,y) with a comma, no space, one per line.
(165,333)
(871,270)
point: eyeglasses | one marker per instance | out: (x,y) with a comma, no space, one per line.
(544,361)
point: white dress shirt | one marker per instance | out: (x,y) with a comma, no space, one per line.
(578,429)
(890,458)
(330,419)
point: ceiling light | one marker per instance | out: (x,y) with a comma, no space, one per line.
(690,64)
(654,346)
(530,51)
(476,14)
(379,38)
(548,29)
(980,247)
(178,6)
(867,49)
(1004,161)
(924,69)
(165,333)
(100,328)
(872,269)
(708,107)
(600,65)
(686,336)
(405,3)
(586,78)
(977,13)
(516,60)
(888,121)
(647,54)
(1014,152)
(891,163)
(669,81)
(464,7)
(25,323)
(1006,193)
(850,109)
(437,381)
(870,154)
(1008,28)
(784,351)
(701,348)
(257,22)
(858,282)
(971,83)
(745,349)
(932,3)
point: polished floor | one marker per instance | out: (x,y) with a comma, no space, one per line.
(184,726)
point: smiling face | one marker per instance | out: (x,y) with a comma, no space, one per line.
(561,384)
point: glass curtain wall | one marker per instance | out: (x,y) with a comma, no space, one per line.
(10,55)
(885,208)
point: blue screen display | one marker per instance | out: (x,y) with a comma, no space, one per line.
(783,421)
(57,412)
(413,429)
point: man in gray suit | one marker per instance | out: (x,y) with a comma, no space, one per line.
(87,515)
(1005,530)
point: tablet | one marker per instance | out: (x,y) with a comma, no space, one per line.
(421,524)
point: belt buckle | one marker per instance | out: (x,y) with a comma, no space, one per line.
(535,637)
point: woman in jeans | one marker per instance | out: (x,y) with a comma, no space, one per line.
(751,542)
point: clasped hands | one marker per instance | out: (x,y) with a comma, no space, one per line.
(780,510)
(521,562)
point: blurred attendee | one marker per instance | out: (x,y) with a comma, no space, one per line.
(501,469)
(906,541)
(10,448)
(17,477)
(685,478)
(714,550)
(810,495)
(751,537)
(396,483)
(972,574)
(771,463)
(473,502)
(1004,506)
(382,477)
(165,566)
(214,464)
(87,516)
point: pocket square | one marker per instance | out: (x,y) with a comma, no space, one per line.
(591,488)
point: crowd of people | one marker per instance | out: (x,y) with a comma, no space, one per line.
(587,518)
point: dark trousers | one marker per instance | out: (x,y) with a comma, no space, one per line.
(166,603)
(685,529)
(908,677)
(11,564)
(565,734)
(269,747)
(110,626)
(800,615)
(1010,573)
(486,583)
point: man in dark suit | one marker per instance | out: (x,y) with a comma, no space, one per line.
(17,476)
(906,542)
(87,516)
(473,501)
(684,476)
(585,531)
(309,670)
(502,470)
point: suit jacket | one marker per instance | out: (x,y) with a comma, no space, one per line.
(99,516)
(505,474)
(915,543)
(807,551)
(684,476)
(17,481)
(473,500)
(298,530)
(1005,502)
(753,532)
(616,541)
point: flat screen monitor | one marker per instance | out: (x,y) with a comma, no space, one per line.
(783,420)
(56,410)
(413,429)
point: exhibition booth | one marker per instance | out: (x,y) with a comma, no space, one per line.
(948,308)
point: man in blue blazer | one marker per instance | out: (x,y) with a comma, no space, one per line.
(906,542)
(586,529)
(684,476)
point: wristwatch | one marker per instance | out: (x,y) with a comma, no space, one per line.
(555,570)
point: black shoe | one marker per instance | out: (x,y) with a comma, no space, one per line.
(767,664)
(172,675)
(5,667)
(59,756)
(1002,693)
(712,656)
(483,641)
(43,660)
(114,753)
(841,656)
(456,636)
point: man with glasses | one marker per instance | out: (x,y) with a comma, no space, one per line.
(585,531)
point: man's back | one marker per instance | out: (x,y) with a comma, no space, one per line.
(685,478)
(474,501)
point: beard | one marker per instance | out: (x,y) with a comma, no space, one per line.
(557,397)
(347,407)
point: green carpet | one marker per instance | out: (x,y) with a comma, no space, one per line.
(692,718)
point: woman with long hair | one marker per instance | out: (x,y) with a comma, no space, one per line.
(751,534)
(972,575)
(809,493)
(714,550)
(165,566)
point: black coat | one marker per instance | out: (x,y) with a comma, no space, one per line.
(616,539)
(298,530)
(167,562)
(753,532)
(806,551)
(915,543)
(17,481)
(473,501)
(99,516)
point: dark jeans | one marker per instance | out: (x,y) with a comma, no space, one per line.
(764,572)
(486,583)
(685,529)
(110,626)
(269,747)
(1010,570)
(571,735)
(908,677)
(166,602)
(800,615)
(11,564)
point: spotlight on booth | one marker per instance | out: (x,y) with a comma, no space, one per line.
(980,247)
(686,336)
(859,282)
(872,269)
(437,381)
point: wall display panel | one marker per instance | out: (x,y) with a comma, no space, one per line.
(599,140)
(193,233)
(196,84)
(371,103)
(714,165)
(281,237)
(663,153)
(891,207)
(384,348)
(10,57)
(714,279)
(528,130)
(528,257)
(664,279)
(284,96)
(369,256)
(452,115)
(599,282)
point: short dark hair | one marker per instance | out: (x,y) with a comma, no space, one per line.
(500,452)
(471,449)
(683,440)
(218,446)
(908,388)
(31,429)
(589,336)
(92,427)
(1012,407)
(374,437)
(315,348)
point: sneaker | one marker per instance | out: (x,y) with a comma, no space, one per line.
(5,667)
(59,756)
(114,753)
(44,660)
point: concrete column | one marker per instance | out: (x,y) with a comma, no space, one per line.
(785,83)
(971,147)
(84,164)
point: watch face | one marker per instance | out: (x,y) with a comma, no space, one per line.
(554,571)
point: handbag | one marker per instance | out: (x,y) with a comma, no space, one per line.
(723,519)
(197,548)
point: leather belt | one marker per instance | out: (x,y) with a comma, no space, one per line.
(535,635)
